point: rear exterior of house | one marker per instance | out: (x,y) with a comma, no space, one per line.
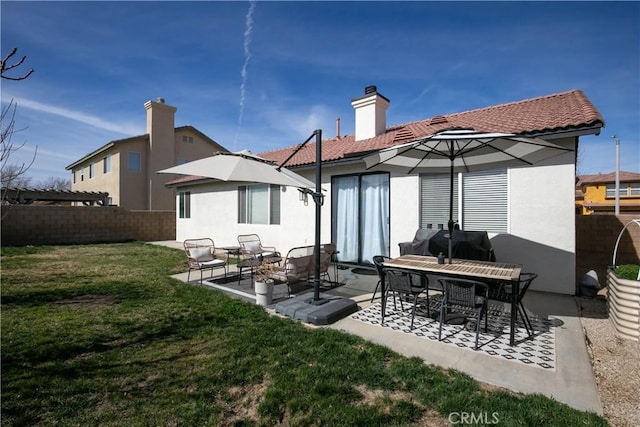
(126,168)
(527,211)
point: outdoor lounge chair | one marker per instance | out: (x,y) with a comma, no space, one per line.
(463,295)
(503,293)
(253,253)
(250,244)
(203,255)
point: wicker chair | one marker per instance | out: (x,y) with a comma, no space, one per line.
(203,255)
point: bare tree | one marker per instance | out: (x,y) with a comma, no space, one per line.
(5,66)
(54,183)
(11,173)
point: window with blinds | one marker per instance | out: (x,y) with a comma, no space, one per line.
(484,201)
(434,200)
(259,204)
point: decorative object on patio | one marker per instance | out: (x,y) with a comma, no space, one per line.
(462,150)
(467,294)
(623,285)
(241,166)
(264,282)
(203,255)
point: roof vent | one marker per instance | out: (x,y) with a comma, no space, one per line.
(370,89)
(160,100)
(438,120)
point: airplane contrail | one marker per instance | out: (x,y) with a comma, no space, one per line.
(243,73)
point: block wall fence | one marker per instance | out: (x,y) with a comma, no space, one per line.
(48,225)
(52,225)
(595,241)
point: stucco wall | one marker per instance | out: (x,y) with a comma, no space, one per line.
(46,225)
(541,219)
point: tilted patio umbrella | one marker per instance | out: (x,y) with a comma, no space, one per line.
(462,150)
(242,167)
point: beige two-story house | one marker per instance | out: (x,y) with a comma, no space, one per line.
(127,168)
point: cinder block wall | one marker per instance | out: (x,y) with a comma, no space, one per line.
(595,241)
(49,225)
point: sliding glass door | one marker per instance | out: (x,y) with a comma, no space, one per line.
(360,216)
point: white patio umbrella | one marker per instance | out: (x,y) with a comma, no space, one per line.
(462,150)
(240,166)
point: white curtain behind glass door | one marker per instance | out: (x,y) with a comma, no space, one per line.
(346,218)
(375,216)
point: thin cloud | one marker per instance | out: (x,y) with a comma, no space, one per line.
(247,57)
(78,116)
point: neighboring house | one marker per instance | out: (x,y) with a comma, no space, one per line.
(528,211)
(126,168)
(596,194)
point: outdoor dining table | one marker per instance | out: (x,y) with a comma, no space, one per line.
(491,273)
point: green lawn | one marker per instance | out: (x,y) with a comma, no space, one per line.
(100,335)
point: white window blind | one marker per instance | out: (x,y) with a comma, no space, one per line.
(434,200)
(485,201)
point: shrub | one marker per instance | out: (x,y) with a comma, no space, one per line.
(627,271)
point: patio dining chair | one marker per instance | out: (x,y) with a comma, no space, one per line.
(203,255)
(405,284)
(377,261)
(463,295)
(504,292)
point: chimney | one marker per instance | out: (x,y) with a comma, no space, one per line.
(337,127)
(371,113)
(161,151)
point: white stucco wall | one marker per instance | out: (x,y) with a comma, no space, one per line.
(541,218)
(542,224)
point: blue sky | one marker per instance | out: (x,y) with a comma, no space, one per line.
(265,76)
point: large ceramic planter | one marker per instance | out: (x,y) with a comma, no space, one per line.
(624,306)
(264,292)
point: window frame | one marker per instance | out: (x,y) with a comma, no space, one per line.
(129,163)
(273,207)
(106,164)
(184,204)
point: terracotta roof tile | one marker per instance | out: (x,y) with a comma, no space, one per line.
(570,110)
(604,178)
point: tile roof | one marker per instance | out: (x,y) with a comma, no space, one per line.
(604,178)
(566,111)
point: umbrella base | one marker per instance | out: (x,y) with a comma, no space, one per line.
(323,311)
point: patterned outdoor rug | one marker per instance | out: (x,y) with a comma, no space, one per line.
(538,351)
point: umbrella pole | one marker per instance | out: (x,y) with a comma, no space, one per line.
(318,199)
(450,224)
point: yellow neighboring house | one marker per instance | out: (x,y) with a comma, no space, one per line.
(595,194)
(127,168)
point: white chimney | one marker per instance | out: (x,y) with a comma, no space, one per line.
(371,113)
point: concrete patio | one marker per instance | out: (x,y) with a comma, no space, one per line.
(570,380)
